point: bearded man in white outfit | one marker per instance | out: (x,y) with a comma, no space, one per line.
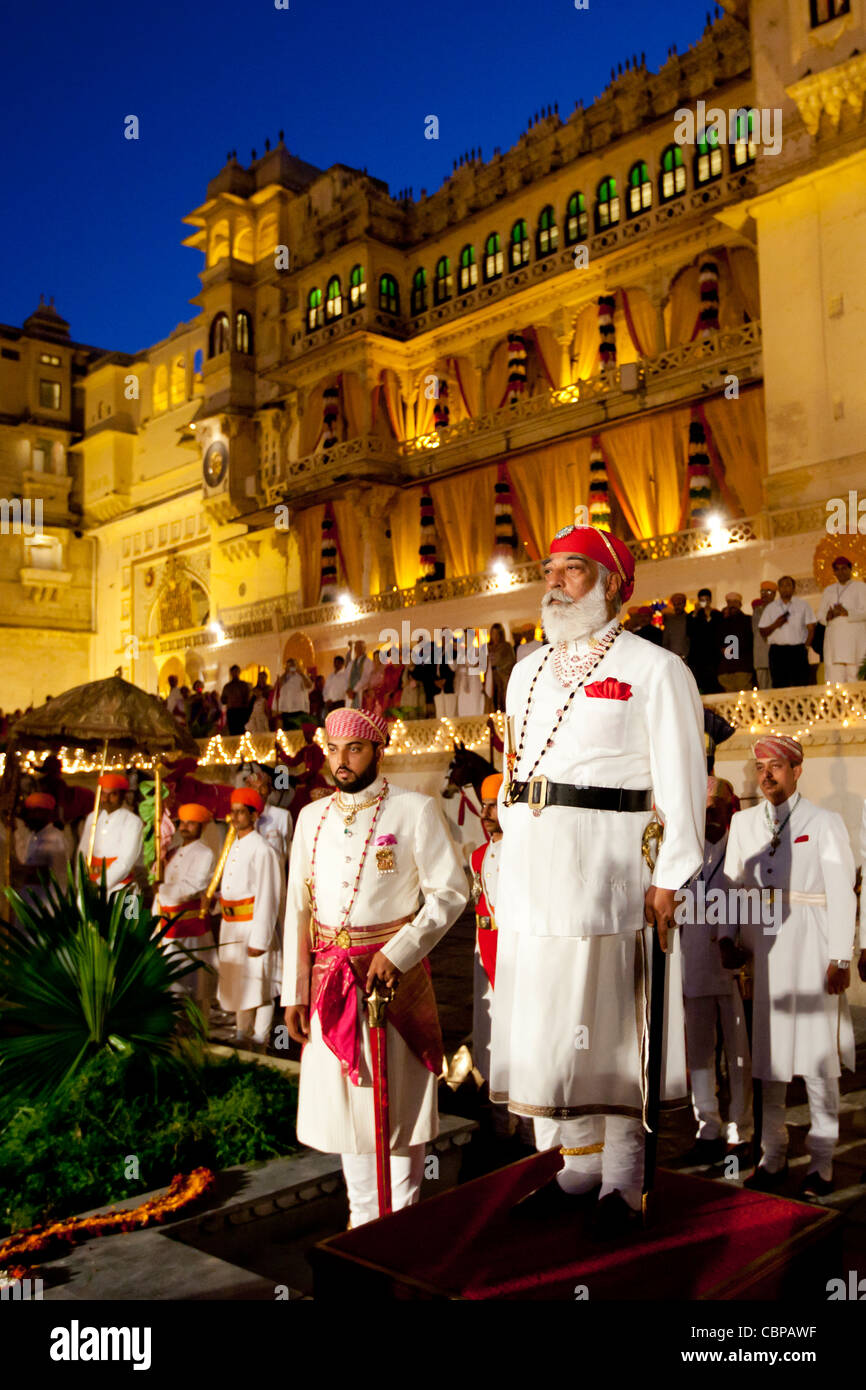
(606,727)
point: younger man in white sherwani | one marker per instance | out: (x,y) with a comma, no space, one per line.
(180,896)
(801,1025)
(710,993)
(363,860)
(119,835)
(250,895)
(843,609)
(607,727)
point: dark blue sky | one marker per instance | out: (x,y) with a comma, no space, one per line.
(95,220)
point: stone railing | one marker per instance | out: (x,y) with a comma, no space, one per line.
(797,709)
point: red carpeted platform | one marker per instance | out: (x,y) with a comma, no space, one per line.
(709,1240)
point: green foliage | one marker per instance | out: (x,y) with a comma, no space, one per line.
(146,812)
(86,973)
(68,1154)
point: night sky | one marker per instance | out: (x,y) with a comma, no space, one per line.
(95,220)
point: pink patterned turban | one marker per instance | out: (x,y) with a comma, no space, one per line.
(356,723)
(779,746)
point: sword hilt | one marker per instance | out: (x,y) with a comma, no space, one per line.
(377,1002)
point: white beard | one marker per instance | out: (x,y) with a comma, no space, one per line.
(572,620)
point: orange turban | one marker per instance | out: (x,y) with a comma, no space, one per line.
(247,796)
(490,786)
(193,811)
(40,801)
(113,782)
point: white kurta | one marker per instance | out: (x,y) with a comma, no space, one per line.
(252,870)
(43,850)
(798,1029)
(845,640)
(187,875)
(119,836)
(572,970)
(275,827)
(334,1115)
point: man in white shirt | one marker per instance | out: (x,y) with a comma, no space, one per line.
(712,994)
(843,609)
(293,698)
(801,1023)
(180,899)
(334,689)
(119,837)
(787,625)
(342,934)
(175,704)
(358,675)
(40,848)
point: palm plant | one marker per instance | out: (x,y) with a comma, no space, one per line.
(83,972)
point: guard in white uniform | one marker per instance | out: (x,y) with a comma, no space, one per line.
(712,994)
(249,947)
(119,836)
(843,609)
(801,1024)
(605,727)
(361,861)
(40,848)
(180,898)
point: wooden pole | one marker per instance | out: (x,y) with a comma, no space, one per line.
(157,821)
(96,806)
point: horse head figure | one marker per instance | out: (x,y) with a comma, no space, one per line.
(465,767)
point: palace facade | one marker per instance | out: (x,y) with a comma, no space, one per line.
(385,405)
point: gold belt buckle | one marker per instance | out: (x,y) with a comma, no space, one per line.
(537,794)
(343,939)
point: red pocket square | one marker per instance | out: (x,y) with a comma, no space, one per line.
(608,689)
(801,839)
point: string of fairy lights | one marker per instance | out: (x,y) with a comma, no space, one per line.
(837,706)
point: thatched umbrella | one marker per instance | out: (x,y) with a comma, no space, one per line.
(92,716)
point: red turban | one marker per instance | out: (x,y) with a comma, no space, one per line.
(193,811)
(600,546)
(40,801)
(356,723)
(247,796)
(113,782)
(779,746)
(490,786)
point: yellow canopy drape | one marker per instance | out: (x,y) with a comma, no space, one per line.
(550,484)
(355,408)
(312,423)
(307,526)
(465,520)
(739,432)
(584,351)
(648,458)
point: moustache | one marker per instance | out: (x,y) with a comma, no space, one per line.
(550,599)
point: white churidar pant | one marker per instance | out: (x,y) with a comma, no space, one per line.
(823,1093)
(359,1171)
(701,1048)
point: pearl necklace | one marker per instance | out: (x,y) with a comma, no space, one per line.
(514,787)
(571,666)
(343,938)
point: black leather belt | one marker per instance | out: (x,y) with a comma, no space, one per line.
(539,792)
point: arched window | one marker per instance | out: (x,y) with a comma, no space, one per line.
(492,258)
(419,291)
(518,250)
(443,283)
(315,312)
(606,205)
(178,381)
(640,189)
(243,332)
(333,299)
(389,295)
(219,242)
(547,235)
(672,179)
(219,336)
(576,219)
(468,269)
(267,238)
(243,248)
(745,149)
(708,158)
(160,389)
(357,288)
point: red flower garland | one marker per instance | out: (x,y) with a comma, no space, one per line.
(599,489)
(606,330)
(49,1240)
